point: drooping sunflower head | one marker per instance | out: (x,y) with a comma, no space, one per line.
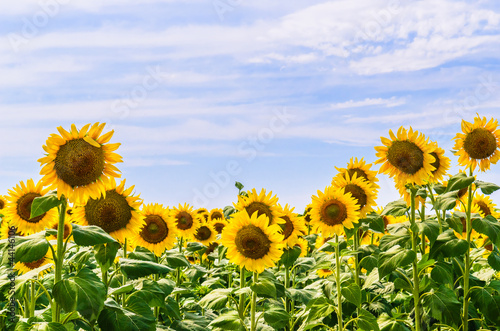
(361,190)
(333,209)
(18,208)
(361,169)
(202,213)
(293,227)
(205,234)
(261,204)
(441,163)
(478,144)
(324,273)
(116,212)
(406,156)
(79,163)
(485,205)
(24,267)
(185,220)
(251,242)
(159,232)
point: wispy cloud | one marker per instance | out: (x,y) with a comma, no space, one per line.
(391,102)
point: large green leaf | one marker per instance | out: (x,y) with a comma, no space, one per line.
(264,287)
(430,228)
(442,273)
(489,226)
(386,323)
(40,326)
(134,269)
(276,317)
(352,293)
(141,253)
(289,256)
(41,205)
(459,181)
(83,292)
(448,245)
(216,300)
(366,321)
(394,258)
(443,305)
(105,254)
(136,315)
(228,321)
(31,248)
(446,201)
(494,260)
(486,188)
(395,208)
(318,308)
(390,240)
(176,260)
(302,295)
(90,235)
(488,303)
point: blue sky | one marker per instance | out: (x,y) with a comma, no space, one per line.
(203,93)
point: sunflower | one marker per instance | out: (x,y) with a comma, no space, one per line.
(205,234)
(219,224)
(478,144)
(389,219)
(202,213)
(24,267)
(323,273)
(486,206)
(474,210)
(441,163)
(251,242)
(261,204)
(185,221)
(462,193)
(79,163)
(406,156)
(293,227)
(307,213)
(332,211)
(401,187)
(3,203)
(116,212)
(303,245)
(67,230)
(361,190)
(159,233)
(361,169)
(320,241)
(210,249)
(5,229)
(18,208)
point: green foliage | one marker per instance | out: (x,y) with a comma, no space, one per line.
(90,235)
(41,205)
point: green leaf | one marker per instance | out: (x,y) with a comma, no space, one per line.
(105,254)
(239,186)
(289,256)
(264,287)
(395,208)
(442,273)
(486,188)
(459,181)
(227,321)
(228,211)
(375,222)
(31,248)
(366,321)
(40,326)
(430,228)
(448,245)
(494,260)
(318,308)
(489,226)
(455,221)
(487,303)
(352,293)
(143,254)
(41,205)
(443,305)
(177,260)
(194,246)
(303,295)
(136,315)
(122,289)
(90,235)
(446,201)
(276,317)
(389,240)
(215,300)
(134,269)
(386,323)
(83,292)
(394,258)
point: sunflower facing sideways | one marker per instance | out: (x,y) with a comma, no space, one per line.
(441,163)
(479,143)
(262,204)
(361,190)
(185,221)
(18,208)
(293,227)
(159,233)
(24,267)
(485,205)
(116,212)
(406,156)
(251,242)
(361,169)
(79,163)
(332,210)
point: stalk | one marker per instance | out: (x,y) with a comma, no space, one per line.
(339,294)
(253,325)
(241,305)
(414,246)
(433,200)
(287,285)
(465,312)
(124,297)
(59,258)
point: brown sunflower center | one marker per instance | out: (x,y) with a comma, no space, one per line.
(216,214)
(67,229)
(203,233)
(211,247)
(480,144)
(484,208)
(219,227)
(184,220)
(34,264)
(333,213)
(111,213)
(24,207)
(359,173)
(357,193)
(2,204)
(155,230)
(261,209)
(436,162)
(78,163)
(462,192)
(489,247)
(464,224)
(252,242)
(287,227)
(406,156)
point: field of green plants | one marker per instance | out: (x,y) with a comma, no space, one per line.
(80,250)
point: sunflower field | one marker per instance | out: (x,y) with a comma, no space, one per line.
(80,250)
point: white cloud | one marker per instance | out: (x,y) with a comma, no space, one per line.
(391,102)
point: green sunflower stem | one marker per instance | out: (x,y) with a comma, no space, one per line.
(124,296)
(465,310)
(422,219)
(337,275)
(356,262)
(287,285)
(433,201)
(253,324)
(241,304)
(156,277)
(59,258)
(414,245)
(178,274)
